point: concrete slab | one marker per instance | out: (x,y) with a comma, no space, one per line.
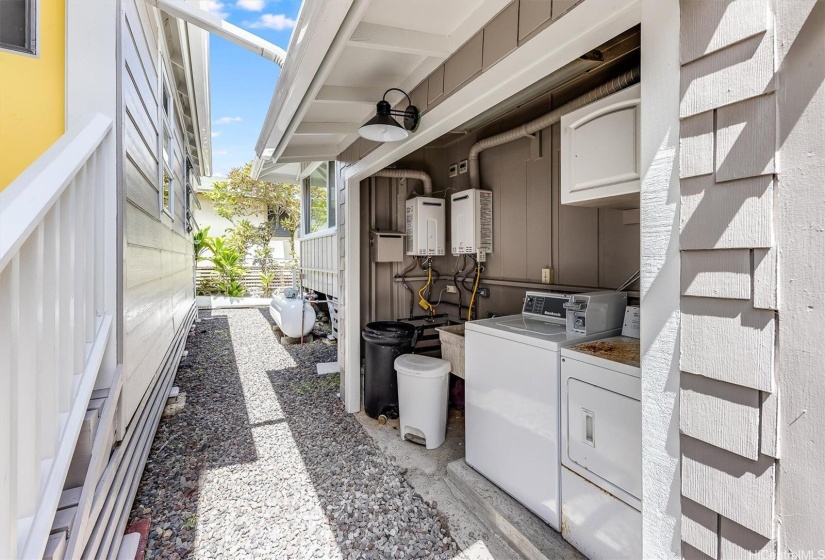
(522,530)
(426,471)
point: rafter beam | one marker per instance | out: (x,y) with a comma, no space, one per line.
(346,94)
(397,39)
(326,128)
(309,153)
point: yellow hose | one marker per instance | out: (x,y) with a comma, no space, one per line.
(475,289)
(426,305)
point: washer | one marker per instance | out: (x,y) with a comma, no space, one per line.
(512,401)
(601,426)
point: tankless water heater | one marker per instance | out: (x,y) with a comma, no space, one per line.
(426,235)
(471,222)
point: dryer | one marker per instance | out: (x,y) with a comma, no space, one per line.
(601,442)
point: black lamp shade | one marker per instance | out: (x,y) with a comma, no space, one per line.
(383,127)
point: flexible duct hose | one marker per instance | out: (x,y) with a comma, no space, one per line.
(409,174)
(529,129)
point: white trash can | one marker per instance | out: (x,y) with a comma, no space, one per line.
(423,387)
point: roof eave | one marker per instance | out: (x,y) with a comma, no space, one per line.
(320,25)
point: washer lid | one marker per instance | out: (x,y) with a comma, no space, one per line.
(422,366)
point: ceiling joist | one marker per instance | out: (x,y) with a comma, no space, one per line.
(309,153)
(326,128)
(346,94)
(396,39)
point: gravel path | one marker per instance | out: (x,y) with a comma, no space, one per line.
(263,462)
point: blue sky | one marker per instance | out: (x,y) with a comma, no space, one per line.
(242,82)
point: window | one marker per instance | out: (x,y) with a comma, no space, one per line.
(319,199)
(18,29)
(167,177)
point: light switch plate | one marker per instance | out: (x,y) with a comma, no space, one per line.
(453,170)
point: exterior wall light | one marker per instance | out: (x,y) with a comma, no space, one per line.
(384,128)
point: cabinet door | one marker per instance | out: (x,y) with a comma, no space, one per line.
(600,163)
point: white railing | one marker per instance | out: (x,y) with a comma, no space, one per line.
(319,261)
(54,323)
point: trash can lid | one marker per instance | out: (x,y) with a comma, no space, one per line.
(422,366)
(388,333)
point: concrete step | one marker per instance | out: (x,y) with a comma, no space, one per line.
(519,527)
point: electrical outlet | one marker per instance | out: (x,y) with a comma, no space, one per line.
(452,290)
(462,166)
(454,170)
(483,292)
(546,275)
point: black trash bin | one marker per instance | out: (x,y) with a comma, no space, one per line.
(385,341)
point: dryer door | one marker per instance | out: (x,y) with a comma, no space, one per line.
(604,432)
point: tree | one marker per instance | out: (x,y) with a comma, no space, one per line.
(241,196)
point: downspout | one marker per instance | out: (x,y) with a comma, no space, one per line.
(222,28)
(529,129)
(408,174)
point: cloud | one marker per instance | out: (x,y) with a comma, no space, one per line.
(251,5)
(278,22)
(216,8)
(228,120)
(219,175)
(215,134)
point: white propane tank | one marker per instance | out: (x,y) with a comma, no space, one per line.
(287,310)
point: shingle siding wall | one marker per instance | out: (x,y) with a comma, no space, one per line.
(728,413)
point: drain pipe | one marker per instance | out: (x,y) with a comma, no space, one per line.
(529,129)
(222,28)
(409,174)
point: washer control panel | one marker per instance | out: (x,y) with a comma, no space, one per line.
(546,305)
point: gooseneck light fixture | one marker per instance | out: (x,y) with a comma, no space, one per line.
(384,128)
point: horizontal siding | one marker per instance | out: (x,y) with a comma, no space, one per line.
(700,528)
(721,414)
(738,72)
(769,425)
(159,266)
(140,190)
(720,274)
(143,155)
(746,138)
(710,26)
(728,416)
(728,340)
(696,145)
(737,488)
(765,278)
(742,544)
(691,553)
(732,215)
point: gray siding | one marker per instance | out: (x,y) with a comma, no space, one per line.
(728,331)
(158,262)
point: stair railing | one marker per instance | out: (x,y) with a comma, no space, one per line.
(55,322)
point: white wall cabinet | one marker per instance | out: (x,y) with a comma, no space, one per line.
(600,163)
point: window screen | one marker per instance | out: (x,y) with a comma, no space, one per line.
(17,25)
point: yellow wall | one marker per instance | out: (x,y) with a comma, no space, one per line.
(32,95)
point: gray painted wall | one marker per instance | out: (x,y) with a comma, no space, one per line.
(158,261)
(586,247)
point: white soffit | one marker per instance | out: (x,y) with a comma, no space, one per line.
(321,100)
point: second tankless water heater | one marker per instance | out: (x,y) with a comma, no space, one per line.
(471,222)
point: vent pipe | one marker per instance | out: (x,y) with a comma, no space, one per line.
(408,174)
(529,129)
